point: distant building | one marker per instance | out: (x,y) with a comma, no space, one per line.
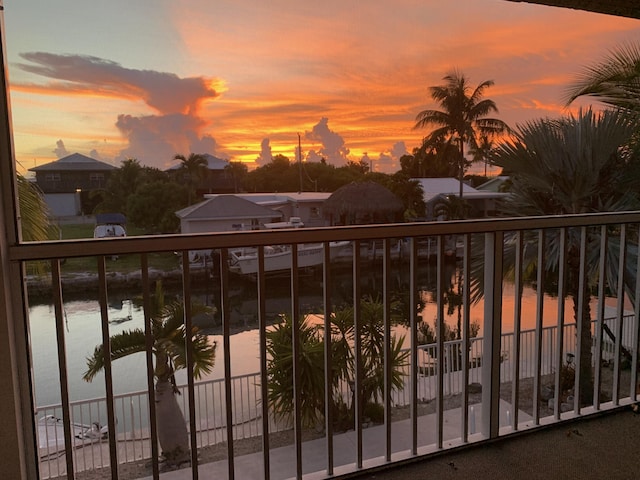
(224,213)
(482,202)
(217,178)
(251,211)
(68,182)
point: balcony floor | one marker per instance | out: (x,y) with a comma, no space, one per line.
(601,446)
(598,447)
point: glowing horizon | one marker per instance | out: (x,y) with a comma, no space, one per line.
(240,79)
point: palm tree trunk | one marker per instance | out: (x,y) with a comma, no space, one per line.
(461,167)
(583,318)
(172,429)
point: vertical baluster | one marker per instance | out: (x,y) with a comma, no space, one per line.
(517,325)
(62,366)
(539,330)
(465,342)
(357,354)
(600,317)
(149,341)
(441,362)
(582,286)
(295,332)
(413,335)
(491,344)
(635,325)
(225,309)
(388,361)
(328,364)
(264,378)
(188,326)
(562,278)
(108,376)
(622,263)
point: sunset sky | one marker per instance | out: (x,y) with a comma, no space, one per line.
(240,79)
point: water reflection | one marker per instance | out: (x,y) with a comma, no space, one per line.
(83,331)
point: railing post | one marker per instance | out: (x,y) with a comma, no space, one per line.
(491,344)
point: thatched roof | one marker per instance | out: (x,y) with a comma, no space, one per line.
(363,202)
(621,8)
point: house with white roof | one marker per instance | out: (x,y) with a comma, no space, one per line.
(483,202)
(251,211)
(224,213)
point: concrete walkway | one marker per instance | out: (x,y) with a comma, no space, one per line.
(314,452)
(600,447)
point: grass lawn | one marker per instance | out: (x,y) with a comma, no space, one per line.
(124,263)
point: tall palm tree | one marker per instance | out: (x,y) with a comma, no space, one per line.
(463,117)
(194,167)
(482,150)
(169,347)
(572,165)
(614,81)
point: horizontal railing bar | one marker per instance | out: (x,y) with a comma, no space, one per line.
(215,240)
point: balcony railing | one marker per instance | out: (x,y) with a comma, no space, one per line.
(131,409)
(495,362)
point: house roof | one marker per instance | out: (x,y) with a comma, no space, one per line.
(280,198)
(226,206)
(437,187)
(494,184)
(74,162)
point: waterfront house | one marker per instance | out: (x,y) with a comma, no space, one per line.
(67,183)
(435,190)
(225,213)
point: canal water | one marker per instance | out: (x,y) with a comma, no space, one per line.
(82,328)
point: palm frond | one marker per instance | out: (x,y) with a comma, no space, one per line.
(122,345)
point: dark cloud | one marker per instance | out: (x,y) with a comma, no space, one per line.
(333,149)
(153,139)
(165,92)
(60,149)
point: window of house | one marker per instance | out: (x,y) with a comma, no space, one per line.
(52,177)
(96,179)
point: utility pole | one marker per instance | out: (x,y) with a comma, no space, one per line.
(300,163)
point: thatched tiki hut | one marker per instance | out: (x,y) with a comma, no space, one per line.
(363,203)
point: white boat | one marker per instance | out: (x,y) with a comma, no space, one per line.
(110,225)
(276,258)
(51,435)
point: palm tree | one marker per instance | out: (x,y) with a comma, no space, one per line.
(237,170)
(463,117)
(569,166)
(194,167)
(615,81)
(169,347)
(280,366)
(482,150)
(35,217)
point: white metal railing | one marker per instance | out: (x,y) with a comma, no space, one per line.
(498,236)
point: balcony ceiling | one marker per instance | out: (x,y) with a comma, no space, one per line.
(620,8)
